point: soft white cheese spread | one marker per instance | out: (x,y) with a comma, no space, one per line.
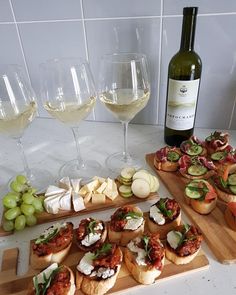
(90,239)
(156,215)
(45,273)
(133,223)
(51,229)
(86,264)
(99,226)
(141,254)
(173,238)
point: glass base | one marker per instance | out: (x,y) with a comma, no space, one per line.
(117,161)
(86,171)
(39,179)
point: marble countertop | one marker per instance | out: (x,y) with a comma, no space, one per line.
(48,144)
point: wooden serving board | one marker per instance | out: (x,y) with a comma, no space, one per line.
(219,237)
(11,284)
(45,217)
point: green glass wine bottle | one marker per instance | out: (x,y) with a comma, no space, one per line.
(184,75)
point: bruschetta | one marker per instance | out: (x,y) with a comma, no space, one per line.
(196,167)
(52,245)
(193,147)
(225,157)
(126,223)
(201,196)
(216,141)
(56,279)
(97,271)
(163,216)
(90,234)
(167,158)
(230,215)
(226,186)
(183,244)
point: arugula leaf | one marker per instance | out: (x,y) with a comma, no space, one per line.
(91,226)
(183,237)
(146,248)
(42,239)
(36,286)
(223,183)
(162,208)
(106,247)
(133,215)
(186,228)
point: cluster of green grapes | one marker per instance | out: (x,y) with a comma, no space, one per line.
(21,204)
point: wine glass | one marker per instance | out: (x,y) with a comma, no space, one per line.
(124,88)
(17,110)
(68,94)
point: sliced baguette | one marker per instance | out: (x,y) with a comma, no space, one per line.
(176,259)
(143,274)
(166,166)
(207,175)
(93,286)
(163,229)
(225,196)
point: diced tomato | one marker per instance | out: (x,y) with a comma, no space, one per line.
(232,207)
(211,194)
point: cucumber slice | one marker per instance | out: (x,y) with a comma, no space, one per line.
(125,191)
(191,192)
(197,170)
(233,189)
(127,173)
(141,188)
(194,150)
(173,156)
(232,179)
(218,156)
(124,181)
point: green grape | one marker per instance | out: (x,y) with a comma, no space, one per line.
(37,205)
(12,213)
(8,225)
(31,220)
(27,209)
(9,202)
(21,179)
(28,198)
(16,187)
(20,222)
(32,190)
(14,195)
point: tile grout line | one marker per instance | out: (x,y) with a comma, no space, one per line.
(86,44)
(20,42)
(159,66)
(232,114)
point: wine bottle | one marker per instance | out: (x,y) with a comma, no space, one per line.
(184,73)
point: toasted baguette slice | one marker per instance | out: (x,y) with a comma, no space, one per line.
(96,244)
(201,207)
(225,196)
(122,238)
(166,166)
(40,262)
(207,175)
(230,219)
(143,274)
(163,229)
(94,286)
(71,291)
(176,259)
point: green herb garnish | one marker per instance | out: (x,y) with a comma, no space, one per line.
(162,208)
(133,215)
(43,240)
(91,226)
(202,190)
(146,248)
(183,238)
(104,250)
(223,183)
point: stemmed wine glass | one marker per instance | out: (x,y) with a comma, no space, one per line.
(17,110)
(68,94)
(124,88)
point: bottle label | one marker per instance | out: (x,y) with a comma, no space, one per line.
(181,105)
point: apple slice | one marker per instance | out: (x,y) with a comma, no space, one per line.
(140,188)
(142,174)
(154,184)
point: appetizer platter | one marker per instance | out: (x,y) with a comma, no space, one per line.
(70,197)
(90,259)
(201,176)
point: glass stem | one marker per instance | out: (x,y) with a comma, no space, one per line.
(75,131)
(23,157)
(125,152)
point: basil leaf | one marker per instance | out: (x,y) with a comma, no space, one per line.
(162,208)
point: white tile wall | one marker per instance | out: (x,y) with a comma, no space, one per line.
(32,31)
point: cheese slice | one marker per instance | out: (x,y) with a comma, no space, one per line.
(76,184)
(45,273)
(92,186)
(52,204)
(54,190)
(100,179)
(87,198)
(65,183)
(78,202)
(65,201)
(111,190)
(101,188)
(83,191)
(98,198)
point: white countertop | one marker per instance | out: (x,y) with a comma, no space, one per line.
(48,144)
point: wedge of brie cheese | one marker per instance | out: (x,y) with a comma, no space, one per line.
(78,202)
(54,190)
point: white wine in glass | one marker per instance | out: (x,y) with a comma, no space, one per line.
(68,94)
(124,89)
(17,110)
